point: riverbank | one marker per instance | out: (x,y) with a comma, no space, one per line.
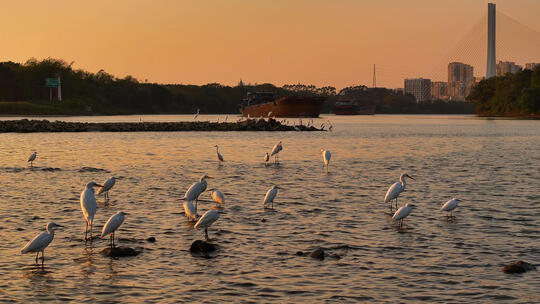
(31,126)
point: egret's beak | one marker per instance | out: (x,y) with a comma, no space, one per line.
(59,226)
(411,177)
(279,187)
(209,177)
(99,185)
(126,213)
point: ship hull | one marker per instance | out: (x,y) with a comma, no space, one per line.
(286,107)
(354,110)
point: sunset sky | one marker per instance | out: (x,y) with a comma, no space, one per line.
(313,42)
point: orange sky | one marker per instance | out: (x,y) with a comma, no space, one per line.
(333,42)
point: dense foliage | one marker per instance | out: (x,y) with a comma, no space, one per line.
(510,95)
(389,101)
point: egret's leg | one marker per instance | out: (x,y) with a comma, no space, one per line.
(86,233)
(272,204)
(37,254)
(91,227)
(196,201)
(206,233)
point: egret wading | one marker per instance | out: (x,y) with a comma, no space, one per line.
(402,213)
(450,206)
(394,190)
(89,207)
(190,211)
(32,158)
(195,190)
(40,242)
(266,159)
(219,156)
(112,225)
(208,218)
(326,155)
(278,147)
(270,196)
(217,196)
(107,185)
(196,114)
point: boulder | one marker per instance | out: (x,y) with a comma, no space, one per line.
(317,254)
(518,267)
(118,252)
(203,248)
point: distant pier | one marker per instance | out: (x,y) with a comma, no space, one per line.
(31,126)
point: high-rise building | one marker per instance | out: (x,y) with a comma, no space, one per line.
(490,67)
(507,67)
(439,90)
(420,88)
(531,66)
(460,80)
(462,72)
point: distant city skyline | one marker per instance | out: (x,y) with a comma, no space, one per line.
(281,42)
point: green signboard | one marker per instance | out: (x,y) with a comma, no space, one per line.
(52,82)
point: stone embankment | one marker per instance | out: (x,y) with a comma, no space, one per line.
(29,126)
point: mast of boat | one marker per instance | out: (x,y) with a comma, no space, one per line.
(374,77)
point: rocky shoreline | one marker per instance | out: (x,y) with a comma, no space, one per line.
(31,126)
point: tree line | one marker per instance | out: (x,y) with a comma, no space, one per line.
(509,95)
(23,91)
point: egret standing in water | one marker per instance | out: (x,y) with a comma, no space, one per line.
(195,190)
(107,185)
(326,155)
(402,213)
(270,196)
(394,190)
(217,196)
(219,156)
(208,218)
(41,241)
(89,207)
(112,225)
(450,206)
(278,147)
(190,211)
(266,159)
(32,158)
(196,114)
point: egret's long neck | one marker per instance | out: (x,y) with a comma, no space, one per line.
(50,230)
(403,181)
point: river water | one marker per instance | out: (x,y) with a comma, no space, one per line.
(493,165)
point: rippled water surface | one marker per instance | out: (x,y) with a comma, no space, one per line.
(493,165)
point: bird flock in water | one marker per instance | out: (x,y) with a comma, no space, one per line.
(89,204)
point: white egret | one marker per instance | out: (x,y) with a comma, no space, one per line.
(270,196)
(112,224)
(208,218)
(269,114)
(219,156)
(226,118)
(107,185)
(195,190)
(402,213)
(266,159)
(196,114)
(394,190)
(89,206)
(217,196)
(450,206)
(41,241)
(32,158)
(275,150)
(326,155)
(189,210)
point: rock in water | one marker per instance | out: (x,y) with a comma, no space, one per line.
(151,239)
(202,248)
(118,252)
(518,267)
(317,254)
